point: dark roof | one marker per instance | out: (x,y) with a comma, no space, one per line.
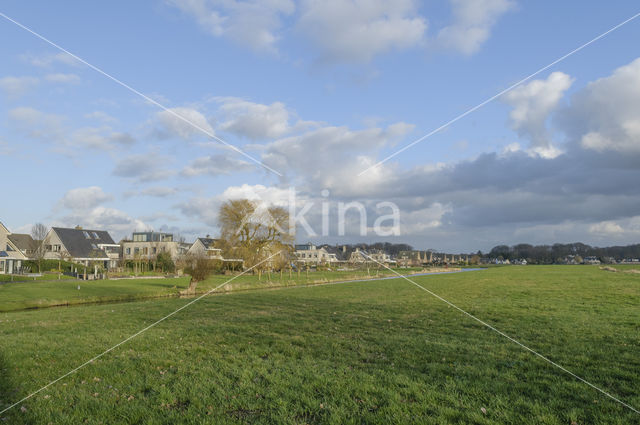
(23,242)
(208,242)
(78,245)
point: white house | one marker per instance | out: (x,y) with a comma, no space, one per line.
(11,256)
(309,253)
(206,247)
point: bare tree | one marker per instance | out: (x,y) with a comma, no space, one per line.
(39,233)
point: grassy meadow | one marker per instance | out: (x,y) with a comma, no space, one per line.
(372,352)
(46,293)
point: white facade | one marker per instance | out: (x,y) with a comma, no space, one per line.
(310,253)
(10,256)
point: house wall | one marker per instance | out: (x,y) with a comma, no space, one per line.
(56,246)
(145,250)
(314,256)
(198,249)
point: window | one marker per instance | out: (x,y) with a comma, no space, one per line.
(145,250)
(128,250)
(55,248)
(136,250)
(94,246)
(86,234)
(95,235)
(155,250)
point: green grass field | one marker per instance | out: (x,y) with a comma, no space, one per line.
(364,352)
(41,293)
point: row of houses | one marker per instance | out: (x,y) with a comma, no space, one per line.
(311,254)
(95,247)
(98,249)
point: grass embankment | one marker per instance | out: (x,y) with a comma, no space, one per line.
(39,294)
(374,352)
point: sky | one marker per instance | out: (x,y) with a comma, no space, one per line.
(189,103)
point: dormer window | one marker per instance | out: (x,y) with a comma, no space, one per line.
(95,235)
(86,234)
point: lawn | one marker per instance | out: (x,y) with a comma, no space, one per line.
(364,352)
(38,294)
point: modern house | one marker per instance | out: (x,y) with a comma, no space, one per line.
(309,253)
(205,247)
(11,257)
(147,245)
(83,246)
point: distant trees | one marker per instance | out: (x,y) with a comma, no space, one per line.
(38,233)
(548,254)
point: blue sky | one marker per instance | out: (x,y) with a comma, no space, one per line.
(320,91)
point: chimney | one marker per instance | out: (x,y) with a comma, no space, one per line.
(78,227)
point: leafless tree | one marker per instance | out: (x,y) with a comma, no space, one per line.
(39,233)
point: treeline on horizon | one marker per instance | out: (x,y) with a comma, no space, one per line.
(548,254)
(535,254)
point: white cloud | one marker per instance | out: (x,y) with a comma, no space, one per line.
(331,154)
(159,191)
(424,219)
(143,167)
(99,137)
(54,128)
(5,149)
(357,31)
(253,23)
(473,21)
(206,209)
(118,223)
(606,228)
(605,115)
(84,198)
(189,124)
(62,78)
(38,124)
(48,59)
(15,87)
(215,165)
(253,120)
(101,116)
(532,105)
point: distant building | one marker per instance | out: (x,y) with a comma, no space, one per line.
(147,245)
(376,256)
(309,253)
(591,260)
